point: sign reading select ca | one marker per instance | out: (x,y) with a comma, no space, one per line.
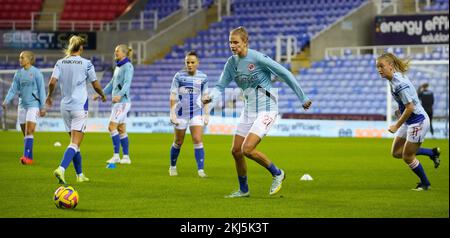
(412,29)
(43,40)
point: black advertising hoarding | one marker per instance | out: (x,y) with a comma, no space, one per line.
(411,29)
(43,40)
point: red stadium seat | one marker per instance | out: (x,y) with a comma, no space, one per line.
(36,7)
(82,15)
(86,8)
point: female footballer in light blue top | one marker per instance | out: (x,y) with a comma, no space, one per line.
(29,83)
(73,73)
(119,86)
(186,110)
(413,123)
(252,72)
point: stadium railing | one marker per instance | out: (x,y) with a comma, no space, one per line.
(375,50)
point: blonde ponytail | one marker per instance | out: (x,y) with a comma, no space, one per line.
(75,44)
(398,64)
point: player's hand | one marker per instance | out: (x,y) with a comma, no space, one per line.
(392,129)
(4,106)
(42,112)
(116,99)
(49,102)
(95,97)
(103,98)
(206,119)
(173,120)
(307,105)
(206,99)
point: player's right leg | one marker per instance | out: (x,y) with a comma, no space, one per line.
(249,150)
(21,118)
(31,115)
(28,143)
(115,137)
(241,166)
(179,134)
(397,147)
(409,156)
(121,110)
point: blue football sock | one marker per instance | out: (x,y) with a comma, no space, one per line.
(68,155)
(199,155)
(124,142)
(425,151)
(418,170)
(116,141)
(28,146)
(174,152)
(77,162)
(243,185)
(274,170)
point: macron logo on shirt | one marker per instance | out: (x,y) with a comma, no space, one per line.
(72,62)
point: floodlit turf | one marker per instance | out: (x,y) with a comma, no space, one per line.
(352,178)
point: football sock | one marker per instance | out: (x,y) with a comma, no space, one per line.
(425,151)
(174,152)
(116,141)
(124,142)
(68,155)
(274,170)
(418,170)
(243,185)
(28,146)
(77,162)
(199,155)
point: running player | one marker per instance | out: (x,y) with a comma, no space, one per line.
(252,70)
(413,123)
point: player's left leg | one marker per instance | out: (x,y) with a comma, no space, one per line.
(77,163)
(199,152)
(122,128)
(415,137)
(249,150)
(409,156)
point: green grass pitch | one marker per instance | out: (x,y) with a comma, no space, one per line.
(352,178)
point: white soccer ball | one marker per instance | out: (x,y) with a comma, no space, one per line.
(57,144)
